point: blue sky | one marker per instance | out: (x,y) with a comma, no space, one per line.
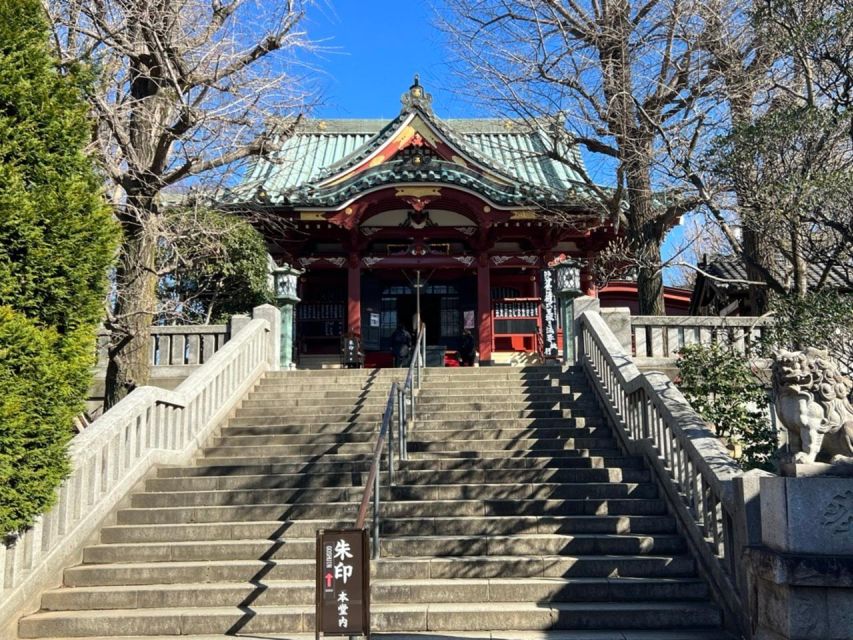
(373,48)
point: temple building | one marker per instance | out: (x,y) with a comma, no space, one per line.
(467,213)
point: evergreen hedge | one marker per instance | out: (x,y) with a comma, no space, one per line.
(57,240)
(37,404)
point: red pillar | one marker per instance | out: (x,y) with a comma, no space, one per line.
(354,295)
(484,309)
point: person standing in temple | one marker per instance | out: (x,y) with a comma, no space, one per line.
(401,345)
(467,350)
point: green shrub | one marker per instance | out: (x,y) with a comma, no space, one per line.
(823,320)
(217,266)
(38,400)
(718,383)
(57,240)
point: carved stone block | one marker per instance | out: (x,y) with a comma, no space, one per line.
(808,515)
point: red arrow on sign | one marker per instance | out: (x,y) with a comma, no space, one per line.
(328,580)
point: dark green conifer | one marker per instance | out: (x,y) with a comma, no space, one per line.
(57,241)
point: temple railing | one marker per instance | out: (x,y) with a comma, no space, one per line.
(177,344)
(689,463)
(663,336)
(151,426)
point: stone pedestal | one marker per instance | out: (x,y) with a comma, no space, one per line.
(800,597)
(801,577)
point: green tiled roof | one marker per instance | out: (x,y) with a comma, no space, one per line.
(320,147)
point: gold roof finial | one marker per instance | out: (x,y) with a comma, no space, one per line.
(416,97)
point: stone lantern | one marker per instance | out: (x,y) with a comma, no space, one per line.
(568,288)
(284,283)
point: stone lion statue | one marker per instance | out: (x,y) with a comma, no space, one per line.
(813,402)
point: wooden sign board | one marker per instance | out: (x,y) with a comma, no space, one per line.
(549,313)
(343,583)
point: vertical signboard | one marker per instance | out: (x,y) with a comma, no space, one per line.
(549,314)
(343,583)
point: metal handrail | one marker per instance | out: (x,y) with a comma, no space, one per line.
(407,393)
(371,488)
(397,393)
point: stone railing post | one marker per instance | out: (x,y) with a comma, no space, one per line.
(619,321)
(237,323)
(581,305)
(272,315)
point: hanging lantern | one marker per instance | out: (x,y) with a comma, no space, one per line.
(568,278)
(284,281)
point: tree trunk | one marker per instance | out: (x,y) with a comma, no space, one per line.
(130,340)
(645,233)
(757,254)
(636,153)
(650,285)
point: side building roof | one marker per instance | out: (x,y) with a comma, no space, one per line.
(726,278)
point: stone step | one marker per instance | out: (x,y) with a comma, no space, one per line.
(423,413)
(356,443)
(345,455)
(354,491)
(486,432)
(473,453)
(320,373)
(333,396)
(457,394)
(416,445)
(414,473)
(242,436)
(435,382)
(565,566)
(426,413)
(509,453)
(580,460)
(324,413)
(389,617)
(228,439)
(510,634)
(300,429)
(496,480)
(494,525)
(354,387)
(510,423)
(433,508)
(503,402)
(451,420)
(391,547)
(294,450)
(511,476)
(280,593)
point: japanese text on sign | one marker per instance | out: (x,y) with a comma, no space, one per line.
(343,588)
(549,314)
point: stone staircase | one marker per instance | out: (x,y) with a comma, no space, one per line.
(515,512)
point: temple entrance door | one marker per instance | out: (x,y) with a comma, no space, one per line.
(430,315)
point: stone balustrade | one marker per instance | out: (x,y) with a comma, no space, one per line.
(663,336)
(151,426)
(177,344)
(693,468)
